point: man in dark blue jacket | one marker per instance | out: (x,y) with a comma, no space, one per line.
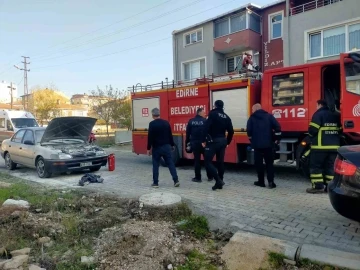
(194,132)
(160,144)
(261,128)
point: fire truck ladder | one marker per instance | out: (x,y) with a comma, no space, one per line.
(284,152)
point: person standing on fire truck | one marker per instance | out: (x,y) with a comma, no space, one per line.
(263,129)
(160,144)
(215,142)
(194,131)
(324,131)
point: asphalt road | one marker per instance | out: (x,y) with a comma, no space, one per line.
(286,212)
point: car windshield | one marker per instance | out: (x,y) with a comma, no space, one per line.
(24,122)
(38,135)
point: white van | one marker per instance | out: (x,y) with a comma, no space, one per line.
(11,121)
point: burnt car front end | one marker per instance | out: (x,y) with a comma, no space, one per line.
(75,157)
(344,190)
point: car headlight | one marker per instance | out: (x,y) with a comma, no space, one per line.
(64,156)
(100,153)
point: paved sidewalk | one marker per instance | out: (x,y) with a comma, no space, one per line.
(286,212)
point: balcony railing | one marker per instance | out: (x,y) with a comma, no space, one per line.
(311,5)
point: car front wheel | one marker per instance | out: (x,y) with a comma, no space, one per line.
(41,169)
(10,165)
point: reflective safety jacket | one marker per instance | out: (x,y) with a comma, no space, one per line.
(325,130)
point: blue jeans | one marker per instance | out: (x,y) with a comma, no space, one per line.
(164,152)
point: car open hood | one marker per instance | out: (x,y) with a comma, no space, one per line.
(69,128)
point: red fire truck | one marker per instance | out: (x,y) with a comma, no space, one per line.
(289,93)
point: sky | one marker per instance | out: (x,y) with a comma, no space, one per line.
(79,45)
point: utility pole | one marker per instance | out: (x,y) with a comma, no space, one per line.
(26,92)
(11,94)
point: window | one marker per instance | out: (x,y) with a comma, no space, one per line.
(333,41)
(193,70)
(222,28)
(231,63)
(38,135)
(238,22)
(29,136)
(288,89)
(276,25)
(193,37)
(254,21)
(2,122)
(18,136)
(352,72)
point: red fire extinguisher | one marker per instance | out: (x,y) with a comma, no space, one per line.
(111,162)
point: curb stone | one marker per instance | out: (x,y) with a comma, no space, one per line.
(330,256)
(294,252)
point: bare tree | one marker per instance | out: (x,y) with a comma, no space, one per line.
(104,104)
(122,112)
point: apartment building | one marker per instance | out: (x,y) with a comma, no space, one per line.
(319,30)
(216,46)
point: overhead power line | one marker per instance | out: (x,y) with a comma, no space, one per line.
(101,28)
(129,27)
(104,55)
(147,31)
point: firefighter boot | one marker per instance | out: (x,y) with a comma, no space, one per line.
(316,189)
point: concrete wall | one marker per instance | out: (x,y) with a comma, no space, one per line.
(123,136)
(295,45)
(194,51)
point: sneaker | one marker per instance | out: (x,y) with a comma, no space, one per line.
(222,182)
(177,184)
(210,179)
(196,180)
(272,185)
(155,185)
(315,190)
(259,184)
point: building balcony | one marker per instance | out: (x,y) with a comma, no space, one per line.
(301,6)
(239,41)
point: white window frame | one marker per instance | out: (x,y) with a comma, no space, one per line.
(228,19)
(191,32)
(190,61)
(320,30)
(232,57)
(270,23)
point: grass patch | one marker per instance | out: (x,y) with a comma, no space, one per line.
(276,260)
(105,141)
(197,261)
(196,225)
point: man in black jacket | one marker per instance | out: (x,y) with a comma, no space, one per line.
(324,130)
(215,142)
(194,132)
(160,144)
(260,128)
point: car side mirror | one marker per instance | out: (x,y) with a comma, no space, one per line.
(28,142)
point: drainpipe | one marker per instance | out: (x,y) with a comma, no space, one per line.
(287,14)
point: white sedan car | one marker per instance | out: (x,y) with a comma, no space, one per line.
(60,147)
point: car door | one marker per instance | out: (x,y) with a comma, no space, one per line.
(27,150)
(15,145)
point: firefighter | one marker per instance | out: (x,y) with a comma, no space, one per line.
(324,131)
(215,142)
(263,129)
(194,131)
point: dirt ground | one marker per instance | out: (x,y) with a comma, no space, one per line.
(72,230)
